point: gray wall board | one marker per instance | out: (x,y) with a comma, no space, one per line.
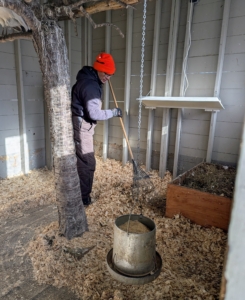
(76,57)
(206,30)
(192,153)
(76,33)
(198,80)
(27,48)
(98,46)
(34,106)
(225,158)
(4,134)
(35,133)
(33,92)
(236,26)
(7,48)
(199,127)
(36,145)
(200,92)
(8,108)
(193,141)
(235,44)
(204,64)
(10,148)
(204,47)
(7,61)
(30,63)
(37,158)
(115,131)
(196,114)
(9,122)
(74,70)
(233,79)
(232,113)
(237,8)
(207,12)
(76,44)
(8,77)
(10,166)
(226,145)
(32,78)
(98,138)
(232,96)
(34,120)
(9,138)
(234,62)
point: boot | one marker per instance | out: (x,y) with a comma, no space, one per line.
(87,201)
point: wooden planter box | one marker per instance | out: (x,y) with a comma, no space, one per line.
(202,208)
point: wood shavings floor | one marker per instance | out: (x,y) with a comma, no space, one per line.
(192,256)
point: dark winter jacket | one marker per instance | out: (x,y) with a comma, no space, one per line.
(86,97)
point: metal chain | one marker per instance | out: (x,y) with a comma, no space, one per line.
(141,90)
(141,75)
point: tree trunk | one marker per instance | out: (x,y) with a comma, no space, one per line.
(50,46)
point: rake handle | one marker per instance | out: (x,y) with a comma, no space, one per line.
(121,121)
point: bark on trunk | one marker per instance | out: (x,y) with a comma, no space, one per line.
(50,45)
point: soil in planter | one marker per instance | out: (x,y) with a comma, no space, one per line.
(211,178)
(134,227)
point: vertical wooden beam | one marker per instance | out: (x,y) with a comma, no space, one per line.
(151,113)
(106,88)
(128,58)
(174,26)
(21,109)
(222,44)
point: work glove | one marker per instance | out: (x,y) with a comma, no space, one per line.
(117,112)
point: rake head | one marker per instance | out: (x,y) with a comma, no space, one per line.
(142,184)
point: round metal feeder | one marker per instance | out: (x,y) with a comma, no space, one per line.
(134,253)
(133,258)
(133,280)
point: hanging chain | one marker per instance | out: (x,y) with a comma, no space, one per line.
(141,75)
(140,96)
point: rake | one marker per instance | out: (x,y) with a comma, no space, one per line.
(141,180)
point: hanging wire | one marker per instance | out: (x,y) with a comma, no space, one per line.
(186,83)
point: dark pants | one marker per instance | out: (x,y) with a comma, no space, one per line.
(83,137)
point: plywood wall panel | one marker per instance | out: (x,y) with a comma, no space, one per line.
(7,77)
(8,108)
(229,130)
(35,133)
(7,61)
(8,92)
(32,78)
(34,106)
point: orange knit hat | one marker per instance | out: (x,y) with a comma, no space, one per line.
(104,63)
